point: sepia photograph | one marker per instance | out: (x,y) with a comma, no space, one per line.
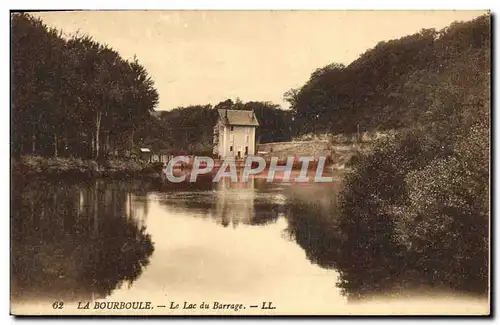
(250,162)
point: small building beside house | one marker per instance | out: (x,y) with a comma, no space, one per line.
(145,153)
(234,133)
(161,155)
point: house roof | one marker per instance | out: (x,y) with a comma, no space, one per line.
(238,117)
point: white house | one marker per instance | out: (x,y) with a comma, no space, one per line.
(234,133)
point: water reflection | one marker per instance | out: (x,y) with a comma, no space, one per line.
(363,271)
(75,241)
(84,240)
(366,268)
(228,203)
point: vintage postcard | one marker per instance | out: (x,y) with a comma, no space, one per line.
(250,163)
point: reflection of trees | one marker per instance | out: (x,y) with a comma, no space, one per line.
(315,231)
(319,231)
(323,238)
(118,254)
(74,241)
(363,270)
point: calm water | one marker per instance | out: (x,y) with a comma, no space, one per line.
(136,240)
(231,243)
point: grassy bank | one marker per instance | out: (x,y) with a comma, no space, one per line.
(122,167)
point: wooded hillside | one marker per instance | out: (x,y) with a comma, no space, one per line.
(393,85)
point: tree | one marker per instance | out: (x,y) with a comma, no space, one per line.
(73,91)
(415,210)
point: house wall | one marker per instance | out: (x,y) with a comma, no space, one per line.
(223,142)
(253,147)
(219,139)
(238,138)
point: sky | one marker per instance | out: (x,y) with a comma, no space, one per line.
(204,57)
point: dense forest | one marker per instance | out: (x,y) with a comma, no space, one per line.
(390,85)
(73,96)
(77,97)
(415,210)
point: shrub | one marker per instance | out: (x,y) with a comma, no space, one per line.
(414,212)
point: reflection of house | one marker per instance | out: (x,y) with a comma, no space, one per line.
(237,203)
(234,202)
(234,133)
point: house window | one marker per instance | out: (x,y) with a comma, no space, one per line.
(246,150)
(231,149)
(232,128)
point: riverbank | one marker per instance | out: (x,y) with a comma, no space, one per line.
(122,167)
(117,167)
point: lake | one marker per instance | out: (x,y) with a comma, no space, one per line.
(220,244)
